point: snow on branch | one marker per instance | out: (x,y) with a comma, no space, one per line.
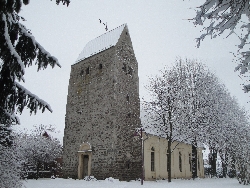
(18,50)
(32,101)
(27,41)
(216,17)
(18,70)
(64,2)
(11,117)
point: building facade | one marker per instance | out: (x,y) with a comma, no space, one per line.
(103,110)
(155,159)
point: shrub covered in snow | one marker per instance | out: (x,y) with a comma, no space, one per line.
(110,179)
(90,178)
(10,167)
(38,148)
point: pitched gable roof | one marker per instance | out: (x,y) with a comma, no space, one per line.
(101,43)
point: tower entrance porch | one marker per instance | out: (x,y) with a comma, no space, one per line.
(84,160)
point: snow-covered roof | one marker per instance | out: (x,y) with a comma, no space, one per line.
(101,43)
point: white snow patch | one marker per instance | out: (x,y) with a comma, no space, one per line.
(113,180)
(176,183)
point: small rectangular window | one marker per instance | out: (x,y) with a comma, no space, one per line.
(127,98)
(124,68)
(100,66)
(87,70)
(82,72)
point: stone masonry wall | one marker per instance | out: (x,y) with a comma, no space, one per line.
(103,109)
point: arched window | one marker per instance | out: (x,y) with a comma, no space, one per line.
(198,162)
(152,159)
(180,162)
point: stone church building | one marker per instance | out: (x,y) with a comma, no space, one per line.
(103,111)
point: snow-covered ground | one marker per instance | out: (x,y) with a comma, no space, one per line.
(70,183)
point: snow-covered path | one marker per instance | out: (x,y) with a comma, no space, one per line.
(69,183)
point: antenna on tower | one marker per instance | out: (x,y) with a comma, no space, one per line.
(105,25)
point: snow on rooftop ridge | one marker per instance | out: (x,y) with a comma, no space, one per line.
(101,43)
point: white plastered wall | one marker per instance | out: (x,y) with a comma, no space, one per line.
(160,155)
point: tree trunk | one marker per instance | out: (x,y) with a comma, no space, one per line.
(223,163)
(224,169)
(226,164)
(169,160)
(233,169)
(169,139)
(194,160)
(212,161)
(37,170)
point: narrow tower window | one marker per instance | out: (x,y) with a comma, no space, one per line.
(127,98)
(152,159)
(87,70)
(100,66)
(82,72)
(124,68)
(130,70)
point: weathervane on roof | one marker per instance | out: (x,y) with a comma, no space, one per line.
(106,25)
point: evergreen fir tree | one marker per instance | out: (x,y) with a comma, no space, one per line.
(18,50)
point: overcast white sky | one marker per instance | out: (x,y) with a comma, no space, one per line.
(160,32)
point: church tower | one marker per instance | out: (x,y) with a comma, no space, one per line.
(103,110)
